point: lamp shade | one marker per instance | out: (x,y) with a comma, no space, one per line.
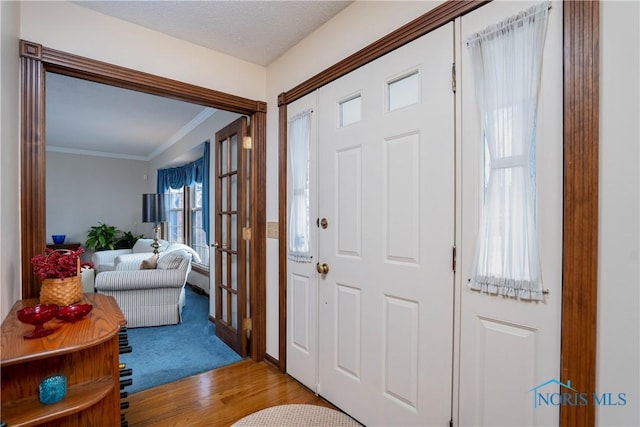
(153,209)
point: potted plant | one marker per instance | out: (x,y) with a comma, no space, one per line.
(102,237)
(59,271)
(127,240)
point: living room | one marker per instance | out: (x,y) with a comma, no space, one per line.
(116,172)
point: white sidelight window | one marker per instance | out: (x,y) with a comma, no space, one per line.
(507,60)
(299,134)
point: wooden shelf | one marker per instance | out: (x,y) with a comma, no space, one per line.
(86,352)
(30,412)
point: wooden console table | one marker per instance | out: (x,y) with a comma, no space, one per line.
(85,351)
(69,246)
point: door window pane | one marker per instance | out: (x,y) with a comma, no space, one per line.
(175,227)
(350,111)
(404,91)
(234,153)
(198,236)
(222,156)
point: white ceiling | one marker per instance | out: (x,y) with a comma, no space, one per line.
(91,118)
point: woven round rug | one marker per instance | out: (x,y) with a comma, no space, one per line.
(296,415)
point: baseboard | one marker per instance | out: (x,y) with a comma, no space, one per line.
(197,289)
(270,360)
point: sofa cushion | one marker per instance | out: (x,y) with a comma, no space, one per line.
(149,263)
(170,261)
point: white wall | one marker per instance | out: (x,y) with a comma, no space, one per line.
(355,27)
(619,213)
(85,190)
(71,28)
(10,266)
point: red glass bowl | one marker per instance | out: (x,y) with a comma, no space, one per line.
(37,316)
(73,312)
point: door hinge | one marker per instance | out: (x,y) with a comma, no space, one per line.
(246,233)
(453,77)
(246,143)
(453,258)
(450,423)
(247,324)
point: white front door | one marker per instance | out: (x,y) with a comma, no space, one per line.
(386,190)
(508,346)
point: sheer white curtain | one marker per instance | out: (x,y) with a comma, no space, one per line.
(507,60)
(299,133)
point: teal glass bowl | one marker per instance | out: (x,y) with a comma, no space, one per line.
(53,389)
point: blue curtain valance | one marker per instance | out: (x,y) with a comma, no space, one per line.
(181,176)
(187,175)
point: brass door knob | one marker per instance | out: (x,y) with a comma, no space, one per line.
(322,268)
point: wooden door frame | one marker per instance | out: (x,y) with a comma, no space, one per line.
(35,61)
(581,120)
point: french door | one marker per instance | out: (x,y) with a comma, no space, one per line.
(231,241)
(386,195)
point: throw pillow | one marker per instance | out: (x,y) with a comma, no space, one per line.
(170,261)
(149,263)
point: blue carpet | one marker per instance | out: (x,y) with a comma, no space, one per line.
(163,354)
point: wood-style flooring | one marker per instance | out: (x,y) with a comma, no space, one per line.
(217,398)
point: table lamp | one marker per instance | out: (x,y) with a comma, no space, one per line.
(153,211)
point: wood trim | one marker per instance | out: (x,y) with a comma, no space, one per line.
(32,158)
(580,214)
(435,18)
(282,234)
(35,61)
(258,219)
(114,75)
(30,50)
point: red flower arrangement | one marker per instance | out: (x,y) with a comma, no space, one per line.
(56,264)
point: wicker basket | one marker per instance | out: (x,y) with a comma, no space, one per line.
(62,291)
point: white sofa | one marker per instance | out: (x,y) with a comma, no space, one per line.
(150,297)
(109,260)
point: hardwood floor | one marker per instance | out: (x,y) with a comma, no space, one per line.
(217,398)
